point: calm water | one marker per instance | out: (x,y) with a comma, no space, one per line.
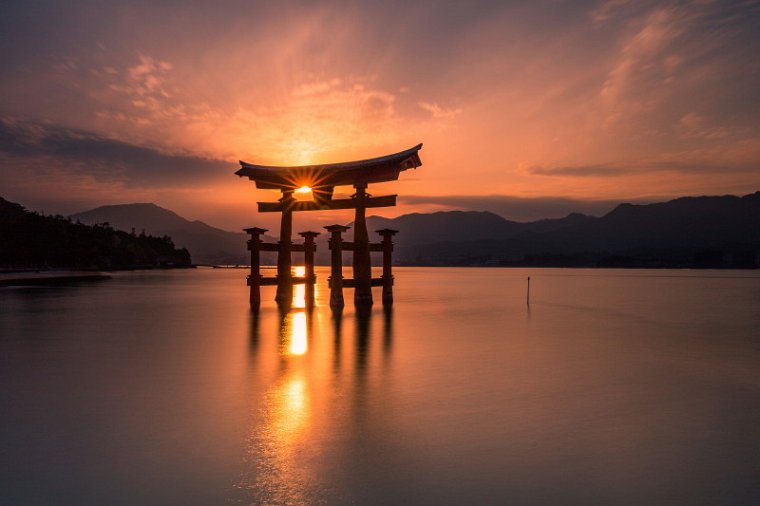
(613,387)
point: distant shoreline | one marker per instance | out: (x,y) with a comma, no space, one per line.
(600,267)
(30,277)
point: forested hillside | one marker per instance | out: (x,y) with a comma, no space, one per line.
(29,239)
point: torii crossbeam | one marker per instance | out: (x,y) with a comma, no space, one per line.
(322,179)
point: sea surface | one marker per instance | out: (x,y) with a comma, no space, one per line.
(160,387)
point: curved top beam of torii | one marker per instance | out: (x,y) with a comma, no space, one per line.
(360,172)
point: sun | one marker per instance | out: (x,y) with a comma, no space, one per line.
(303,193)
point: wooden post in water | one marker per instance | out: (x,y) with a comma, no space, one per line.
(387,245)
(284,262)
(336,265)
(254,278)
(362,262)
(309,247)
(527,300)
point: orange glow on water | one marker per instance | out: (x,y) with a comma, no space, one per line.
(287,414)
(299,291)
(292,397)
(299,336)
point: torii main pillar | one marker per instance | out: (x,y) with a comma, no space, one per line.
(362,261)
(284,261)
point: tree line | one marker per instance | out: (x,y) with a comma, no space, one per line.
(32,240)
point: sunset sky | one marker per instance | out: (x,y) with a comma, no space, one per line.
(530,109)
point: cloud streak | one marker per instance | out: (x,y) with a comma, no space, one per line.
(645,167)
(104,159)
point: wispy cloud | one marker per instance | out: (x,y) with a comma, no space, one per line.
(60,148)
(312,121)
(646,63)
(439,112)
(606,9)
(690,164)
(693,126)
(583,171)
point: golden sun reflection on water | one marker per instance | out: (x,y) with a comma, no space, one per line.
(296,411)
(298,334)
(278,477)
(290,409)
(294,331)
(299,291)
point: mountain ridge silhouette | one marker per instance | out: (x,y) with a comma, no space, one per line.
(698,231)
(207,244)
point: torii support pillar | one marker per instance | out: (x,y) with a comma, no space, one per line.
(336,265)
(387,246)
(284,277)
(254,279)
(309,247)
(362,261)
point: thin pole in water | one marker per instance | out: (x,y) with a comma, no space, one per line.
(527,299)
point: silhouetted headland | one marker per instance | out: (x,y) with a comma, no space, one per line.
(31,240)
(206,244)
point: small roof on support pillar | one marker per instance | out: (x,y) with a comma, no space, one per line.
(361,172)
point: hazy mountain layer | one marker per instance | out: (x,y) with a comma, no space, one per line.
(207,244)
(690,232)
(687,232)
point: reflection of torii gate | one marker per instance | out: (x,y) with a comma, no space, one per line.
(322,179)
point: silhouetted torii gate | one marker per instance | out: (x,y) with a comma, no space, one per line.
(322,179)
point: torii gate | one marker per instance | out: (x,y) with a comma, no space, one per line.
(322,179)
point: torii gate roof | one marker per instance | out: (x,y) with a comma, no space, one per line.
(372,170)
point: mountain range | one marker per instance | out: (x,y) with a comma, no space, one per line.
(207,244)
(721,231)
